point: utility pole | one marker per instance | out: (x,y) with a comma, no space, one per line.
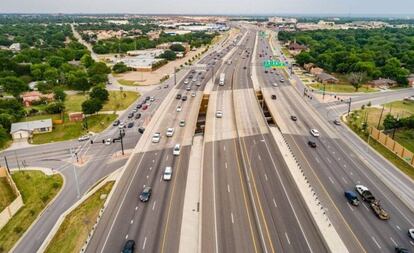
(175,77)
(121,134)
(379,120)
(75,174)
(349,105)
(7,164)
(323,94)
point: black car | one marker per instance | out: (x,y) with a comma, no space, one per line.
(130,115)
(266,71)
(138,115)
(141,130)
(312,144)
(401,250)
(244,67)
(147,98)
(184,98)
(294,118)
(145,194)
(178,96)
(130,124)
(139,106)
(129,247)
(273,96)
(116,122)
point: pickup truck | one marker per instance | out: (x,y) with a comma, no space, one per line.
(372,201)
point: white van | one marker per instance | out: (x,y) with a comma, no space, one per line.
(176,150)
(167,174)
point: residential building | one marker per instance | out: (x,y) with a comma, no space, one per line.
(25,130)
(31,96)
(326,78)
(411,80)
(382,83)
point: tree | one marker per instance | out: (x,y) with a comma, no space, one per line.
(51,75)
(59,94)
(120,67)
(99,93)
(390,122)
(91,106)
(55,61)
(98,68)
(55,107)
(6,121)
(169,55)
(177,48)
(13,85)
(356,79)
(87,60)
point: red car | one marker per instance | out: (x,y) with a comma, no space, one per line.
(144,107)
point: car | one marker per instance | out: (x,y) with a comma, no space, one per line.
(314,132)
(129,247)
(130,115)
(152,99)
(138,115)
(282,80)
(361,188)
(337,122)
(177,149)
(121,125)
(145,194)
(219,114)
(147,98)
(144,107)
(186,81)
(84,138)
(156,137)
(184,98)
(188,88)
(116,122)
(131,124)
(141,130)
(178,96)
(244,67)
(167,173)
(275,84)
(139,106)
(166,86)
(170,132)
(192,71)
(193,94)
(179,108)
(294,118)
(266,71)
(312,144)
(135,110)
(411,233)
(352,197)
(108,141)
(273,96)
(182,123)
(401,250)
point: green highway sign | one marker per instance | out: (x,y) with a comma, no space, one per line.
(273,64)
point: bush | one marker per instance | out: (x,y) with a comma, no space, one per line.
(18,229)
(55,107)
(120,67)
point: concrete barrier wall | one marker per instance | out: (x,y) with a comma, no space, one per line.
(392,145)
(14,206)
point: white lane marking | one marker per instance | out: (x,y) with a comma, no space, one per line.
(333,152)
(145,242)
(132,221)
(317,160)
(412,243)
(147,176)
(398,227)
(265,176)
(153,206)
(232,218)
(166,159)
(330,179)
(329,160)
(160,178)
(126,237)
(259,157)
(150,168)
(156,154)
(345,167)
(225,165)
(395,243)
(373,238)
(228,188)
(339,158)
(344,180)
(365,207)
(224,148)
(136,208)
(287,237)
(274,202)
(153,161)
(350,207)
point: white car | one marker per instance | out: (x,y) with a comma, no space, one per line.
(152,99)
(314,132)
(219,114)
(167,174)
(170,132)
(193,94)
(84,138)
(360,188)
(121,125)
(275,84)
(411,233)
(186,81)
(179,108)
(156,138)
(176,150)
(108,141)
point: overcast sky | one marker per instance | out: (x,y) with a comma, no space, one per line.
(344,7)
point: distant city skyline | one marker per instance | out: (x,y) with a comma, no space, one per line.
(397,8)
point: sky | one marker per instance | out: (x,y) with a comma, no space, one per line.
(400,8)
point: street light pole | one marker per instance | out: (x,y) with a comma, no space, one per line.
(349,105)
(175,77)
(121,134)
(75,174)
(324,89)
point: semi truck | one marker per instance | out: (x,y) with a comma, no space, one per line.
(221,81)
(373,202)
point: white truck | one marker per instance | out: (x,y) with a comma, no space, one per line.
(221,81)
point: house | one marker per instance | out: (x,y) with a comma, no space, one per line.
(294,46)
(326,78)
(25,130)
(410,80)
(15,47)
(75,116)
(316,71)
(29,97)
(308,66)
(382,83)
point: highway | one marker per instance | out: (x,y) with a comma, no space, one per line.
(155,225)
(253,205)
(334,167)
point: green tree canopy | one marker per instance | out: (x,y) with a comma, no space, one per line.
(91,106)
(13,85)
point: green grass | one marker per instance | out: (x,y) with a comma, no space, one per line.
(406,138)
(120,100)
(74,230)
(72,130)
(341,88)
(401,108)
(127,82)
(6,193)
(73,103)
(37,191)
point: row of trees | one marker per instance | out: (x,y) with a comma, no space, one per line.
(393,122)
(387,53)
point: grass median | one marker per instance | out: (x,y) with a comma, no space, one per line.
(6,193)
(75,228)
(37,191)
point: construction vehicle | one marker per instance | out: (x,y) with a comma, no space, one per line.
(372,201)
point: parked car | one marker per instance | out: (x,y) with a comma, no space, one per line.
(121,125)
(188,88)
(401,250)
(131,124)
(152,99)
(139,106)
(144,107)
(314,132)
(129,246)
(108,141)
(179,108)
(116,122)
(352,197)
(411,233)
(184,98)
(138,115)
(84,138)
(130,115)
(193,94)
(312,144)
(337,122)
(156,137)
(145,194)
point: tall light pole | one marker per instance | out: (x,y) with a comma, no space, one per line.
(74,172)
(121,134)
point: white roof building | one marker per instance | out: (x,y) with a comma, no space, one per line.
(23,130)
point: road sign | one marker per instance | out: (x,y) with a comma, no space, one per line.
(273,64)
